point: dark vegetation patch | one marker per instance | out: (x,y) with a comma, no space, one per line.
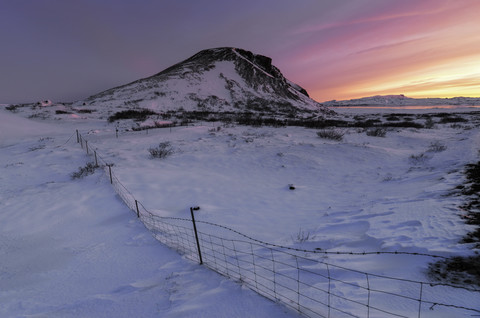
(457,270)
(12,108)
(464,269)
(331,134)
(452,119)
(131,114)
(88,169)
(84,111)
(376,132)
(262,118)
(392,117)
(163,150)
(155,125)
(62,112)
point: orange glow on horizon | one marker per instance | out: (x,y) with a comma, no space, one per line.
(418,51)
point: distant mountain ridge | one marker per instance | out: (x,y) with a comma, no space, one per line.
(402,100)
(213,80)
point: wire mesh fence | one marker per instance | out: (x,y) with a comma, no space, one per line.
(309,282)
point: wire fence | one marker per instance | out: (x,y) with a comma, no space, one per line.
(305,281)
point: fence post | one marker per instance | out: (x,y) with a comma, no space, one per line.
(368,301)
(81,141)
(329,289)
(138,212)
(420,301)
(298,285)
(110,170)
(196,236)
(96,161)
(78,138)
(86,146)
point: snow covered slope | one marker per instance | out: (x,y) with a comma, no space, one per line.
(71,248)
(402,100)
(214,80)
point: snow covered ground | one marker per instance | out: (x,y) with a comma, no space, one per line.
(70,248)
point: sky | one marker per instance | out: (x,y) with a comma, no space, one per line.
(67,50)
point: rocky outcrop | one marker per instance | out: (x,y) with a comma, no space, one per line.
(215,80)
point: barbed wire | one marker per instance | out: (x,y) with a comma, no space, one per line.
(152,221)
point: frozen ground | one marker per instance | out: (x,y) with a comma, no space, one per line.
(70,248)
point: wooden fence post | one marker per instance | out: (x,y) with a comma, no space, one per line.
(78,138)
(196,236)
(138,212)
(110,170)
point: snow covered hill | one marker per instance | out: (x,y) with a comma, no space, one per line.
(214,80)
(402,100)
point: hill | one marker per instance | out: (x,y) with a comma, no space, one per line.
(402,100)
(214,80)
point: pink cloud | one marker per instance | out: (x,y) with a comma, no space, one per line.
(385,43)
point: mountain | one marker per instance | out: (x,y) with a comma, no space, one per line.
(214,80)
(402,100)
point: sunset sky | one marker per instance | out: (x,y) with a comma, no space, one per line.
(66,50)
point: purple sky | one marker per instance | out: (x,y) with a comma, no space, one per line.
(66,50)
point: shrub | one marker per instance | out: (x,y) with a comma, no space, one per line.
(62,112)
(12,108)
(404,124)
(457,270)
(376,132)
(163,150)
(429,123)
(419,159)
(436,146)
(446,120)
(302,236)
(131,114)
(392,118)
(331,134)
(85,111)
(84,171)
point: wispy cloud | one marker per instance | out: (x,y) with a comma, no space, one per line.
(391,47)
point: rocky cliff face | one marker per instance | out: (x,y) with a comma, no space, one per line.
(215,80)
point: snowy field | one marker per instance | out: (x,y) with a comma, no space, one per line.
(70,248)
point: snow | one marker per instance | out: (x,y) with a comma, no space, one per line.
(71,248)
(191,86)
(404,101)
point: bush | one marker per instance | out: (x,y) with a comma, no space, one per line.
(84,171)
(436,146)
(62,112)
(376,132)
(331,134)
(446,120)
(404,124)
(85,111)
(419,159)
(457,270)
(12,108)
(131,114)
(302,236)
(429,123)
(163,150)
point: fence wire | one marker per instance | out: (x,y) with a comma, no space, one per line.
(304,281)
